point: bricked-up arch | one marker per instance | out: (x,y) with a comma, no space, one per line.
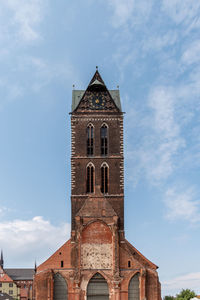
(96,248)
(104,178)
(97,288)
(90,139)
(90,177)
(97,232)
(104,139)
(133,288)
(60,288)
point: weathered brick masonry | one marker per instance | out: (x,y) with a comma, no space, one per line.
(97,262)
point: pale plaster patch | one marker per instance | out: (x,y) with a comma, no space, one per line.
(96,256)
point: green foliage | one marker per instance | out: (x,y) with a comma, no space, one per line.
(185,295)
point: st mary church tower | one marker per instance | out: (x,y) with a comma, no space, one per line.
(97,263)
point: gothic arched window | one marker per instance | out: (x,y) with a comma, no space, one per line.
(59,287)
(90,139)
(104,139)
(133,289)
(90,178)
(97,288)
(104,178)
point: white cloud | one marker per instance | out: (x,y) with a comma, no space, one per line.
(158,42)
(187,281)
(25,17)
(122,11)
(161,140)
(23,241)
(186,11)
(192,54)
(129,10)
(182,204)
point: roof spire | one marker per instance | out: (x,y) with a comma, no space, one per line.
(35,268)
(1,260)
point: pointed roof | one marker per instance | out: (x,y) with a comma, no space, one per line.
(96,84)
(4,276)
(97,79)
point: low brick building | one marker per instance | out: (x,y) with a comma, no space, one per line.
(97,263)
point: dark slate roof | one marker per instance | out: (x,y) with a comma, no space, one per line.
(20,274)
(78,94)
(4,296)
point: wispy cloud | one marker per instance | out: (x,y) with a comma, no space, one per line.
(182,11)
(187,281)
(182,204)
(122,11)
(129,11)
(24,17)
(30,239)
(192,53)
(156,153)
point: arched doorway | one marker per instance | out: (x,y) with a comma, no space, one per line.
(97,288)
(133,288)
(60,287)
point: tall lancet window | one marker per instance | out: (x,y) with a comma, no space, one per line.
(104,139)
(104,178)
(90,178)
(90,139)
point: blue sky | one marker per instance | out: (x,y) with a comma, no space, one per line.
(151,49)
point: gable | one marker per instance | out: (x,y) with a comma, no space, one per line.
(136,256)
(96,97)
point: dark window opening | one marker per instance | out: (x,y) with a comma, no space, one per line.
(104,179)
(90,179)
(62,264)
(104,140)
(129,263)
(90,140)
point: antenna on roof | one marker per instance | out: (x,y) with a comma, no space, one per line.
(117,86)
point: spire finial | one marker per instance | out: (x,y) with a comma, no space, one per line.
(96,67)
(35,268)
(1,259)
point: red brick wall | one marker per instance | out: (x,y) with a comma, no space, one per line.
(97,232)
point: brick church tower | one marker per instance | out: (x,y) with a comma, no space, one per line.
(97,263)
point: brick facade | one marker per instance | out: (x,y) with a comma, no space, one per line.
(97,243)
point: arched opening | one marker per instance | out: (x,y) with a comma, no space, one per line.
(90,178)
(104,139)
(104,178)
(97,288)
(60,288)
(133,289)
(90,139)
